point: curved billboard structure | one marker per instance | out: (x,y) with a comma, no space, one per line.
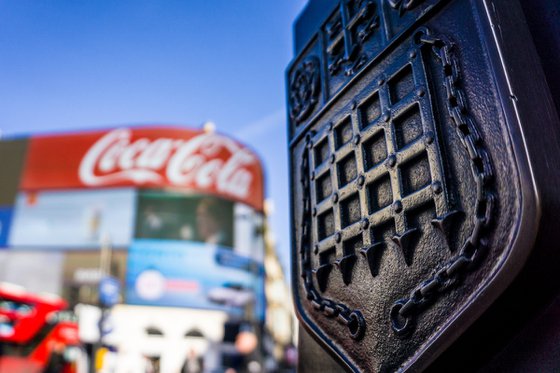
(182,209)
(155,157)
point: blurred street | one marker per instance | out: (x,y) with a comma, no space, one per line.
(144,199)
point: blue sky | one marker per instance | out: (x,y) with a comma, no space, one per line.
(70,65)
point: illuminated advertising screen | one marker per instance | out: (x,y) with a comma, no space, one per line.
(145,157)
(76,219)
(182,206)
(174,216)
(188,274)
(198,251)
(67,199)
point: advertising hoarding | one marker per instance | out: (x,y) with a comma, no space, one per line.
(196,250)
(73,219)
(166,195)
(156,157)
(177,216)
(188,274)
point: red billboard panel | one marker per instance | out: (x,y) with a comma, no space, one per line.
(145,157)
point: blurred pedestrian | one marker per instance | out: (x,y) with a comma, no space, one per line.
(193,363)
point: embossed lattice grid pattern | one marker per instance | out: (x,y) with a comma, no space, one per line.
(372,168)
(346,32)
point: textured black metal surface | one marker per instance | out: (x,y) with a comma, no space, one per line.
(413,204)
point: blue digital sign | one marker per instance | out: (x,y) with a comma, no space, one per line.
(6,214)
(193,274)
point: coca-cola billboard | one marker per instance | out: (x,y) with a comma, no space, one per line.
(145,157)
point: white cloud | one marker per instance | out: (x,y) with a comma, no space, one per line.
(261,126)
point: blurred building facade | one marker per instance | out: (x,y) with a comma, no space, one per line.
(175,215)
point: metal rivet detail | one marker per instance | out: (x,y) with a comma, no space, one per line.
(392,160)
(333,158)
(314,212)
(361,181)
(437,187)
(330,126)
(353,105)
(356,139)
(421,92)
(397,206)
(365,223)
(381,81)
(412,54)
(316,249)
(312,175)
(335,197)
(386,116)
(338,237)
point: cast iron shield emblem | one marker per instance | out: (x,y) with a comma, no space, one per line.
(409,191)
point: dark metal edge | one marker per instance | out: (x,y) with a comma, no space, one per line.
(530,209)
(305,321)
(315,333)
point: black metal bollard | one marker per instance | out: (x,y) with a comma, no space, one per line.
(425,158)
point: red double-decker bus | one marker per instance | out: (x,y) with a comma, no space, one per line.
(36,333)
